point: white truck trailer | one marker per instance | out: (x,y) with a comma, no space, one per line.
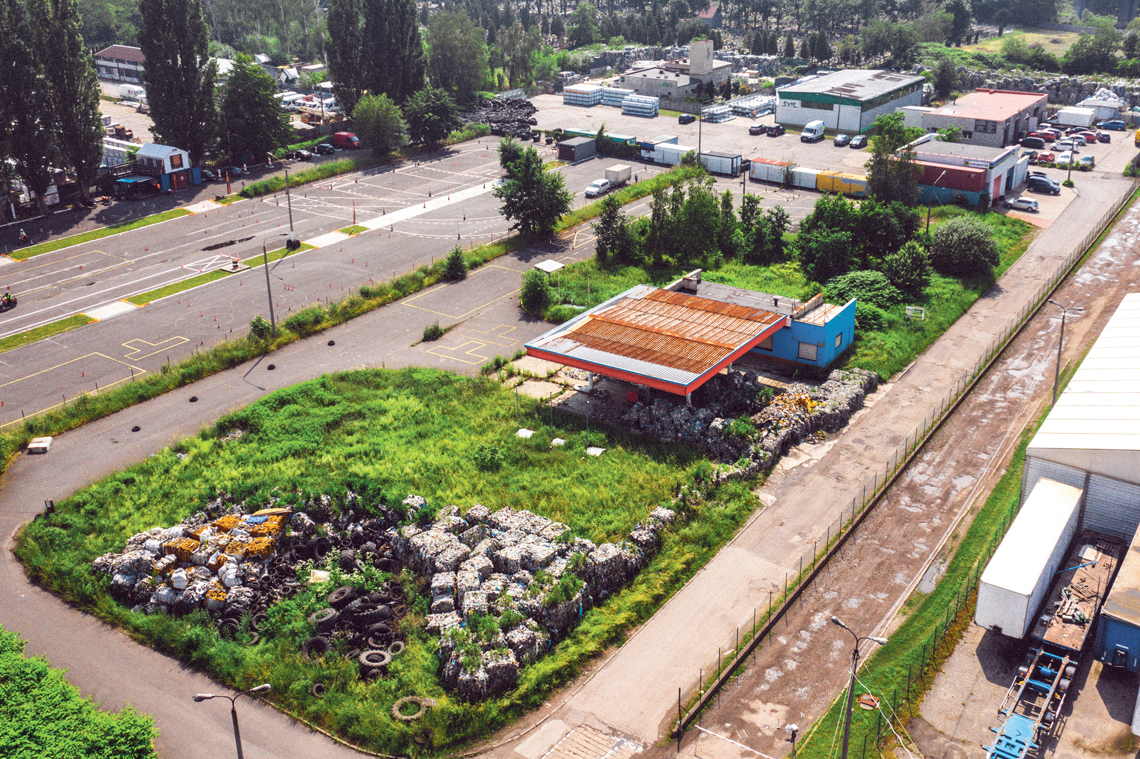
(618,175)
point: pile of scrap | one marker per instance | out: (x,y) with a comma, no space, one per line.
(512,117)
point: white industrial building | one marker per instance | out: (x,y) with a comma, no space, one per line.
(847,101)
(678,79)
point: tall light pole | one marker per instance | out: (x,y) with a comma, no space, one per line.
(265,252)
(851,687)
(263,688)
(931,201)
(1057,371)
(289,203)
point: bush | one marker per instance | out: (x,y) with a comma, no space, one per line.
(909,269)
(433,332)
(306,321)
(535,294)
(455,266)
(870,287)
(260,328)
(870,318)
(964,247)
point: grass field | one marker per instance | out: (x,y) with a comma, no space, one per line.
(39,333)
(1051,42)
(95,234)
(385,434)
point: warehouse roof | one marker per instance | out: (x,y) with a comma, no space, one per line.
(122,53)
(1095,424)
(991,105)
(667,340)
(857,84)
(1123,600)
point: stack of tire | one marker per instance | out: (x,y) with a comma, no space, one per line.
(369,625)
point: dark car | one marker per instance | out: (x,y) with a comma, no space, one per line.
(209,176)
(842,140)
(756,129)
(324,149)
(1103,137)
(233,171)
(859,141)
(775,131)
(300,155)
(1043,184)
(1032,156)
(686,118)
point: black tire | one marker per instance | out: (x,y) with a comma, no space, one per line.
(229,628)
(353,606)
(396,648)
(369,617)
(380,628)
(317,646)
(379,640)
(325,619)
(319,690)
(257,621)
(254,638)
(375,658)
(388,565)
(400,716)
(320,548)
(342,597)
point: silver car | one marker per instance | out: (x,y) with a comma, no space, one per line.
(1022,204)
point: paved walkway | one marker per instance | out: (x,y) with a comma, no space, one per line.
(633,695)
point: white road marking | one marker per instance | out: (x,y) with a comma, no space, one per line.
(114,308)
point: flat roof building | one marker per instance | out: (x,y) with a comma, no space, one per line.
(953,168)
(994,118)
(847,101)
(678,79)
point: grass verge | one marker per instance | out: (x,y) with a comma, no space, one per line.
(174,288)
(96,234)
(384,434)
(39,333)
(354,230)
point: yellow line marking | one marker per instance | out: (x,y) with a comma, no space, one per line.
(448,352)
(143,345)
(138,372)
(499,332)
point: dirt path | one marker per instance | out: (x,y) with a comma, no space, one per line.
(804,666)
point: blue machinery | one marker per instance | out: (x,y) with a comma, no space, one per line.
(1032,703)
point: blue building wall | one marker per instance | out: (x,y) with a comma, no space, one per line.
(943,195)
(786,342)
(1118,643)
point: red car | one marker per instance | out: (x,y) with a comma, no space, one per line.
(1045,135)
(1046,158)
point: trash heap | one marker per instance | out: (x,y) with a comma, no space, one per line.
(511,117)
(505,584)
(235,565)
(789,417)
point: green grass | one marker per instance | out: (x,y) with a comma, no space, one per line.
(95,234)
(42,714)
(313,174)
(176,287)
(354,230)
(39,333)
(385,434)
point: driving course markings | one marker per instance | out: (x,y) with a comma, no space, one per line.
(137,372)
(43,331)
(138,344)
(434,301)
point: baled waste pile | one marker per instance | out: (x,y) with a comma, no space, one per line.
(504,584)
(734,421)
(509,117)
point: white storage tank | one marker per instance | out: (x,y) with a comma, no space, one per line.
(1018,577)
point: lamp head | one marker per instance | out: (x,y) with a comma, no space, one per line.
(880,641)
(263,688)
(203,696)
(838,622)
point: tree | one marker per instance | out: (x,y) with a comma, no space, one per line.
(891,172)
(431,115)
(393,53)
(535,292)
(510,150)
(458,61)
(805,49)
(28,134)
(72,88)
(945,77)
(455,266)
(789,46)
(253,121)
(964,247)
(962,13)
(1092,53)
(558,27)
(612,236)
(344,51)
(179,74)
(584,26)
(824,254)
(533,199)
(379,123)
(909,268)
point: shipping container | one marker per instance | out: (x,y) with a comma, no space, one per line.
(945,177)
(770,170)
(1074,116)
(853,185)
(669,154)
(660,139)
(725,164)
(1118,634)
(1018,576)
(805,178)
(618,175)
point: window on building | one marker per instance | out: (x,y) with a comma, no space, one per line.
(839,340)
(807,351)
(765,344)
(966,135)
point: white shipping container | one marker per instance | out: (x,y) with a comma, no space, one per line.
(669,154)
(805,178)
(1076,116)
(721,163)
(1017,579)
(774,172)
(619,175)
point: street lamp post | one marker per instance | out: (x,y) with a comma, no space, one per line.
(851,687)
(931,201)
(1057,371)
(263,688)
(265,252)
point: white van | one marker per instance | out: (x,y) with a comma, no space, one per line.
(813,132)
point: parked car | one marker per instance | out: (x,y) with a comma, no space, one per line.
(209,176)
(1115,125)
(1046,157)
(775,130)
(756,129)
(1103,137)
(1037,174)
(300,155)
(686,118)
(1089,137)
(1032,156)
(1051,134)
(1087,160)
(1022,204)
(324,149)
(598,187)
(1071,144)
(232,171)
(859,141)
(842,140)
(1043,184)
(1032,141)
(1064,159)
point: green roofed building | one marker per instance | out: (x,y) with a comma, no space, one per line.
(846,101)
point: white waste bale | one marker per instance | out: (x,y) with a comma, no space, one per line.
(178,579)
(228,574)
(153,545)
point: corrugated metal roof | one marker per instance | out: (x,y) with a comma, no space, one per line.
(1078,432)
(1123,601)
(665,335)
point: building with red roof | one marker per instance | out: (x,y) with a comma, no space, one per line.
(993,118)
